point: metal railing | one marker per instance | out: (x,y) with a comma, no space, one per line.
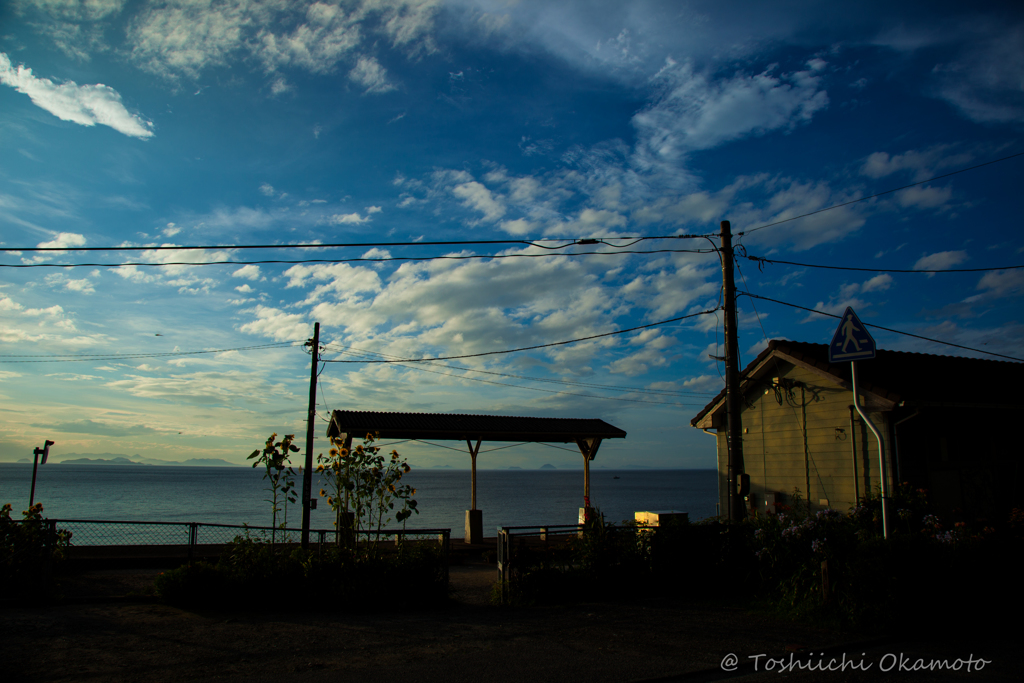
(194,537)
(507,537)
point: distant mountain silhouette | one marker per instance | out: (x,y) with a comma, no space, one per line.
(115,459)
(548,466)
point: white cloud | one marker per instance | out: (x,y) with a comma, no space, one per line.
(376,253)
(702,383)
(345,280)
(278,325)
(476,196)
(183,38)
(835,307)
(325,38)
(204,388)
(347,218)
(924,197)
(878,283)
(86,105)
(267,189)
(370,210)
(696,112)
(985,83)
(1002,283)
(371,75)
(244,289)
(922,164)
(249,272)
(63,240)
(518,227)
(62,281)
(133,274)
(790,198)
(940,261)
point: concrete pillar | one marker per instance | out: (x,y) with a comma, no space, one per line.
(474,526)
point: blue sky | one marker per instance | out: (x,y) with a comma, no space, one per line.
(141,124)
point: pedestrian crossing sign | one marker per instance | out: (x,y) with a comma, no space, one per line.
(851,340)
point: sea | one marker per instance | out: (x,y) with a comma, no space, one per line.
(238,495)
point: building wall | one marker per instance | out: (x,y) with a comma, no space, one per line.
(805,442)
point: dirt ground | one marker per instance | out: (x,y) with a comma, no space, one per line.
(98,635)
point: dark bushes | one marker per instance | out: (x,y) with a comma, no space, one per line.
(259,575)
(607,561)
(926,572)
(29,550)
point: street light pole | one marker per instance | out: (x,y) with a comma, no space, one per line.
(45,452)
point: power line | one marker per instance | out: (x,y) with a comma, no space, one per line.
(546,391)
(461,257)
(127,356)
(895,189)
(529,348)
(887,329)
(340,245)
(349,349)
(761,260)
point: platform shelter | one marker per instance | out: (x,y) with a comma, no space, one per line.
(587,434)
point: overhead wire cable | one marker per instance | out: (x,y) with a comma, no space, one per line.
(342,349)
(534,347)
(41,358)
(449,257)
(887,329)
(361,245)
(762,260)
(421,368)
(880,194)
(551,445)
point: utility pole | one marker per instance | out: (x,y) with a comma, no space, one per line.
(732,378)
(307,472)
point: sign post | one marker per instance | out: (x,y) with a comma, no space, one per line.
(852,343)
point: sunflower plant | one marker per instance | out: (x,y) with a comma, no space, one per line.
(363,486)
(274,457)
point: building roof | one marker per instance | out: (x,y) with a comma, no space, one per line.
(895,377)
(458,427)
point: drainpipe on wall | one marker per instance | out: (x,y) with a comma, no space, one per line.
(853,445)
(718,503)
(881,452)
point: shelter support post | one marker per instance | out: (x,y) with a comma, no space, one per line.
(474,517)
(588,447)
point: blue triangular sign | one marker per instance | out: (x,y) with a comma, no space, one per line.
(851,340)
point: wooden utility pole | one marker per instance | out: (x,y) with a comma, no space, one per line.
(307,472)
(733,400)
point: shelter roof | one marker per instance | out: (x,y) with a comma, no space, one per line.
(893,377)
(459,427)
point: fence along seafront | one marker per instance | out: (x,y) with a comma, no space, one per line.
(130,540)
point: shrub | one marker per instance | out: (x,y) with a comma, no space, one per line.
(29,549)
(251,573)
(613,562)
(923,571)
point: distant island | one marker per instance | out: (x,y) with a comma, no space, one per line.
(98,461)
(113,459)
(548,466)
